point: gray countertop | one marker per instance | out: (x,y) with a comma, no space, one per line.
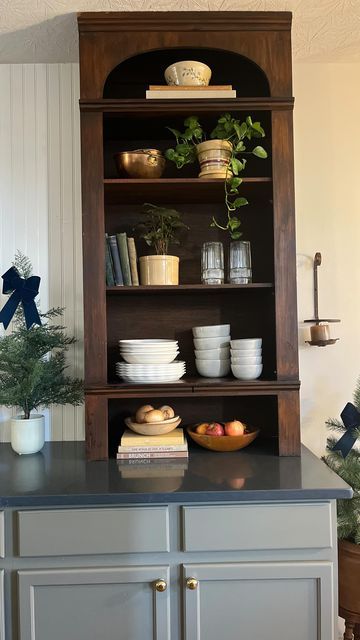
(59,475)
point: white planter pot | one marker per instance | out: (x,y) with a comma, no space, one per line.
(27,436)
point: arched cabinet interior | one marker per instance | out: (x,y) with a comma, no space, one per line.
(121,54)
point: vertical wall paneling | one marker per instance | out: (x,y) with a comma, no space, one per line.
(40,207)
(65,264)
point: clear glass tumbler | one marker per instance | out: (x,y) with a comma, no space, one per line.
(212,263)
(240,262)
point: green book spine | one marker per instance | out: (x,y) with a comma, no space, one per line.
(124,258)
(133,261)
(110,280)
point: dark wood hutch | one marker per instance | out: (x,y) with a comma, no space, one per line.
(120,55)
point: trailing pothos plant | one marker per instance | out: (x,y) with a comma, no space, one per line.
(160,227)
(237,133)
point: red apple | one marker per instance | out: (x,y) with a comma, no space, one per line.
(234,428)
(236,483)
(214,429)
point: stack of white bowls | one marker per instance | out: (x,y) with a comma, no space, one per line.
(246,358)
(148,361)
(212,350)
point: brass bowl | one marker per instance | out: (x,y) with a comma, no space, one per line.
(222,443)
(141,163)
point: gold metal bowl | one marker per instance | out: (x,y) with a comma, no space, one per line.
(141,163)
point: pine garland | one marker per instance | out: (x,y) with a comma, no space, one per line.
(348,511)
(33,361)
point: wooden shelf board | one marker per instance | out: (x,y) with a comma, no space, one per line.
(186,288)
(140,107)
(195,386)
(135,190)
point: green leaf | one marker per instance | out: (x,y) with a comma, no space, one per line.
(259,152)
(235,235)
(234,223)
(192,122)
(170,154)
(240,202)
(234,183)
(249,121)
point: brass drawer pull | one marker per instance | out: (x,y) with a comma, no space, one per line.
(160,585)
(192,583)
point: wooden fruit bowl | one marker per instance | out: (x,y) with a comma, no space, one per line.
(153,428)
(222,443)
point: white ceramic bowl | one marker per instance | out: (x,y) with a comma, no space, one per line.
(246,343)
(246,371)
(223,353)
(212,343)
(188,73)
(146,358)
(247,360)
(212,331)
(249,353)
(213,368)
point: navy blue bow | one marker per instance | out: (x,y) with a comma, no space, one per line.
(23,291)
(351,419)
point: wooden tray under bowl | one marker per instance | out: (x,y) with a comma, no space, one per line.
(153,428)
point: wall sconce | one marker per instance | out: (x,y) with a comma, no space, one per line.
(319,330)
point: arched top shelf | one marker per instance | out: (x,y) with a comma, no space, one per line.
(131,78)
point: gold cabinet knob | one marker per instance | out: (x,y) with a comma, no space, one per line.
(160,585)
(192,583)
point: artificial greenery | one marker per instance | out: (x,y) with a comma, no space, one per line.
(32,361)
(160,227)
(236,132)
(348,511)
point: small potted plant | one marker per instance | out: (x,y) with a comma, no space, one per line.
(32,370)
(159,230)
(221,157)
(346,463)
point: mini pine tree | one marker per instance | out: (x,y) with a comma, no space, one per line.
(33,361)
(348,468)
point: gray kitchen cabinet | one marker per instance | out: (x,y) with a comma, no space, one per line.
(260,570)
(2,606)
(113,603)
(272,601)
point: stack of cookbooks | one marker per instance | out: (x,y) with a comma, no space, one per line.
(173,92)
(134,446)
(121,260)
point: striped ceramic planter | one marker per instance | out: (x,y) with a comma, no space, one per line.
(214,156)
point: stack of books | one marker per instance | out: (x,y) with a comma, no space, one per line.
(121,261)
(166,92)
(134,446)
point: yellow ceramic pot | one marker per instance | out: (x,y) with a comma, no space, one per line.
(159,270)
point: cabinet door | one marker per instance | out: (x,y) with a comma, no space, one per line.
(2,607)
(264,601)
(95,603)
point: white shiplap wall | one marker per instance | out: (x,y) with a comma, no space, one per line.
(40,204)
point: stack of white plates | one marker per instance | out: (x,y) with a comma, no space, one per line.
(149,351)
(246,358)
(212,350)
(149,361)
(147,373)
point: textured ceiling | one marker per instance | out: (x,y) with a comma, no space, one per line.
(45,30)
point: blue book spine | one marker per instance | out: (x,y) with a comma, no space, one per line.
(119,280)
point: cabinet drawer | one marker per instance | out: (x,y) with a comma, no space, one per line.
(2,535)
(90,531)
(249,527)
